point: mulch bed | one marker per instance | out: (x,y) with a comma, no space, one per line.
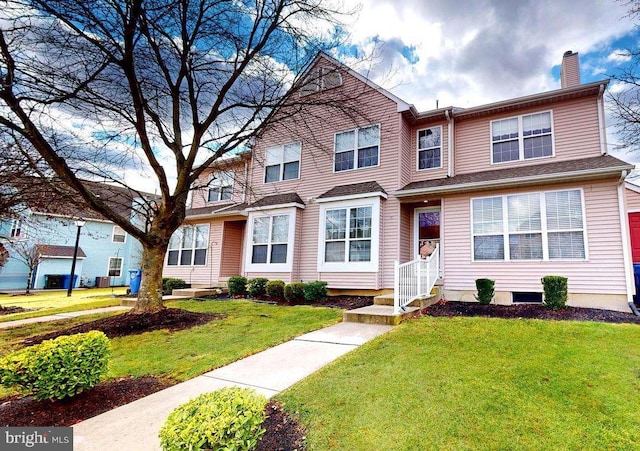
(134,323)
(282,432)
(11,309)
(529,311)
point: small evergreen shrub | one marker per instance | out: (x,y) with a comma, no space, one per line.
(555,292)
(294,292)
(57,368)
(485,289)
(227,419)
(257,287)
(237,286)
(169,284)
(275,289)
(315,291)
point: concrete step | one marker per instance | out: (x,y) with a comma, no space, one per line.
(378,314)
(195,292)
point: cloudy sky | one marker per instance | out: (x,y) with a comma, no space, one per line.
(470,52)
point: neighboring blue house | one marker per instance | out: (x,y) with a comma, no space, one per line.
(44,238)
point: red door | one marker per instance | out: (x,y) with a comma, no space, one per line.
(634,231)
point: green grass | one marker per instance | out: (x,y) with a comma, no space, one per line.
(477,383)
(248,328)
(44,303)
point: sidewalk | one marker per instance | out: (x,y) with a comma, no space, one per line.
(42,319)
(135,426)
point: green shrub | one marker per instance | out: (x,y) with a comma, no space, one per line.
(485,289)
(257,287)
(315,291)
(294,292)
(169,284)
(57,368)
(555,292)
(275,289)
(237,286)
(227,419)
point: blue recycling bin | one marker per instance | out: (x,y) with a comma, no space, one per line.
(636,276)
(135,277)
(66,278)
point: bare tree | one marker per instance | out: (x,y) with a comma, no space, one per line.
(29,254)
(159,87)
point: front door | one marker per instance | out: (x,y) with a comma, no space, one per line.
(427,230)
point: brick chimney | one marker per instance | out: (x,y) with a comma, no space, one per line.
(570,71)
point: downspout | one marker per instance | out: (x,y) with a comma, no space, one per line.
(601,126)
(626,251)
(450,143)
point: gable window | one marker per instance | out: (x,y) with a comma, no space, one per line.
(17,229)
(349,234)
(530,226)
(357,148)
(522,138)
(320,79)
(282,163)
(221,186)
(188,246)
(429,148)
(115,266)
(118,235)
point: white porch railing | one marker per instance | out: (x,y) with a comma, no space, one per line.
(415,279)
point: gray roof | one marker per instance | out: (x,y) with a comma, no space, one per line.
(353,190)
(277,199)
(217,210)
(49,250)
(585,168)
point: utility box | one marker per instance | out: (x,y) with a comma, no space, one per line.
(102,282)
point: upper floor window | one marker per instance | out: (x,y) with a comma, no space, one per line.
(320,79)
(188,246)
(221,186)
(430,148)
(357,148)
(529,226)
(282,162)
(119,235)
(17,229)
(522,138)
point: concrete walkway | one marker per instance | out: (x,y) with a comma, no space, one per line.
(42,319)
(135,426)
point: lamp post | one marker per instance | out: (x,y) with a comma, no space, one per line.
(79,223)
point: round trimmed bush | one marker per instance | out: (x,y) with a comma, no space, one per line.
(275,289)
(57,368)
(237,286)
(229,419)
(294,292)
(257,287)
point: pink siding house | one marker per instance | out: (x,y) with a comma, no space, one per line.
(512,191)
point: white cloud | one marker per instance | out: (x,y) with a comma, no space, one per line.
(619,56)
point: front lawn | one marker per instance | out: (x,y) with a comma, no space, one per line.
(479,383)
(248,328)
(42,303)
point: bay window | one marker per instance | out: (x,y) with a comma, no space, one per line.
(530,226)
(271,237)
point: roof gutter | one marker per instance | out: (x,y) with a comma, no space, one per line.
(517,181)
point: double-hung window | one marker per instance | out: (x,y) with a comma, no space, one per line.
(355,149)
(522,137)
(118,235)
(529,226)
(221,186)
(430,148)
(188,246)
(282,162)
(115,266)
(17,229)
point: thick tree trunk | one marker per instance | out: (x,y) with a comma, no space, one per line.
(150,294)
